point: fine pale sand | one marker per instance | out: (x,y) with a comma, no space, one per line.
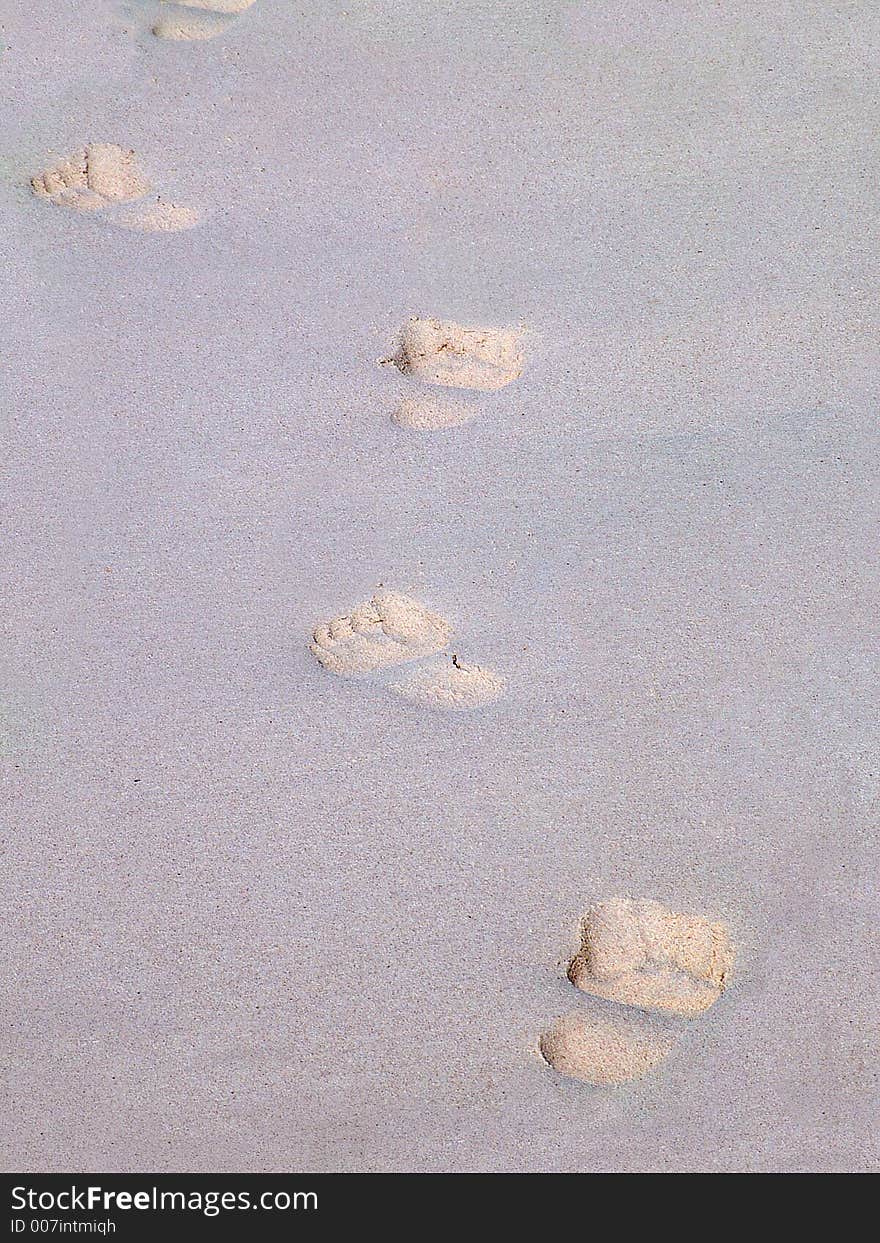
(441,352)
(389,629)
(451,684)
(426,413)
(638,953)
(114,173)
(603,1050)
(101,173)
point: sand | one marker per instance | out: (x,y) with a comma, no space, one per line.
(260,917)
(394,629)
(606,1051)
(639,954)
(160,218)
(451,684)
(217,6)
(636,953)
(114,173)
(188,20)
(441,352)
(105,177)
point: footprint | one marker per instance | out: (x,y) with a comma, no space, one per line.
(94,177)
(635,952)
(444,353)
(104,177)
(393,629)
(389,629)
(451,684)
(189,28)
(189,20)
(603,1050)
(638,953)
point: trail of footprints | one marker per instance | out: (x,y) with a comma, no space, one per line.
(645,964)
(106,178)
(638,955)
(391,628)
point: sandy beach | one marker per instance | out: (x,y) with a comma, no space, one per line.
(265,912)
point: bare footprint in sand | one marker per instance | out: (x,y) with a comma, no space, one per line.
(605,1050)
(451,684)
(104,177)
(389,629)
(190,20)
(216,6)
(638,953)
(393,629)
(448,354)
(96,176)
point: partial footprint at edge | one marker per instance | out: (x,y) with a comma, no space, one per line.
(191,20)
(104,177)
